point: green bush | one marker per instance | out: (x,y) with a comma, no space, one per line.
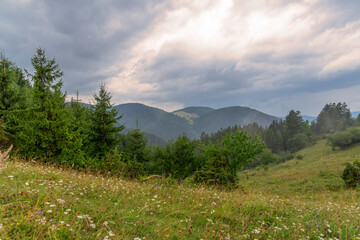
(345,138)
(285,156)
(177,159)
(225,159)
(351,174)
(264,158)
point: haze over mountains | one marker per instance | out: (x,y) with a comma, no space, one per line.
(191,121)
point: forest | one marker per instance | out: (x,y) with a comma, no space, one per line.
(36,119)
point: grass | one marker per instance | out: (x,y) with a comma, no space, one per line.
(299,199)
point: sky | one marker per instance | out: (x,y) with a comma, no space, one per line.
(270,55)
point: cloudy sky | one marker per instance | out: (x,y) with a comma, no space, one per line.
(271,55)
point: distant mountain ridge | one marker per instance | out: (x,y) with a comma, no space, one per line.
(191,121)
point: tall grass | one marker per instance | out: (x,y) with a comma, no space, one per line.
(293,200)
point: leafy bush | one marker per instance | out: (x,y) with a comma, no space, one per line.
(298,142)
(177,159)
(285,156)
(351,174)
(345,138)
(264,158)
(225,159)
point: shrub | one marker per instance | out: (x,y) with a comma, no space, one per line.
(177,159)
(264,158)
(225,159)
(345,138)
(351,174)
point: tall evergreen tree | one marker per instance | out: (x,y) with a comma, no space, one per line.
(294,123)
(135,142)
(45,130)
(333,117)
(104,126)
(15,90)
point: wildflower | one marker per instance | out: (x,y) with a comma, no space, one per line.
(49,211)
(92,225)
(111,234)
(106,238)
(27,184)
(137,238)
(1,227)
(10,176)
(60,201)
(80,217)
(52,205)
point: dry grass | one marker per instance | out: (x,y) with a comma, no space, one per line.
(4,156)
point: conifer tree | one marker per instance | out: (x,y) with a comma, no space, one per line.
(44,131)
(104,126)
(15,90)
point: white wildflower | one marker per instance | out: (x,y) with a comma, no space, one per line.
(60,201)
(92,225)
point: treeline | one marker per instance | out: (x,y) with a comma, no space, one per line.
(35,118)
(285,137)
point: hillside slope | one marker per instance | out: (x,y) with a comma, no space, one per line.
(318,171)
(154,121)
(230,116)
(295,200)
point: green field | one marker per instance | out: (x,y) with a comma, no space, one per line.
(299,199)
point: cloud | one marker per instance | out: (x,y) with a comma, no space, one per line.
(171,54)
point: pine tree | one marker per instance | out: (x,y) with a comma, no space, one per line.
(104,126)
(45,130)
(15,90)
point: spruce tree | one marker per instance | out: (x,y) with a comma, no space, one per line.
(45,130)
(104,126)
(15,90)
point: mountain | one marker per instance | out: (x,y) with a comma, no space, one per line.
(308,118)
(192,113)
(154,121)
(196,110)
(213,121)
(161,126)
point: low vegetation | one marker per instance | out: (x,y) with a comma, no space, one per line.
(299,199)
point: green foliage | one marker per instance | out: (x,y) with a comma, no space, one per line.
(114,163)
(135,145)
(266,157)
(351,174)
(3,138)
(44,131)
(225,159)
(103,127)
(273,136)
(293,123)
(333,117)
(177,158)
(345,138)
(298,142)
(15,91)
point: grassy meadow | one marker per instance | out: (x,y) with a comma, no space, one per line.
(299,199)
